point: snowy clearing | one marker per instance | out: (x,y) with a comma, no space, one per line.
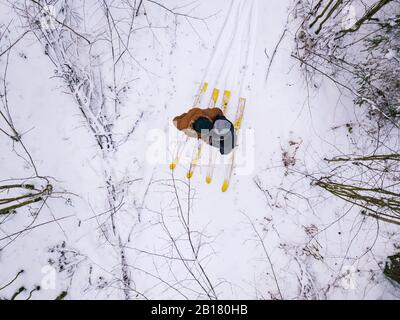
(89,90)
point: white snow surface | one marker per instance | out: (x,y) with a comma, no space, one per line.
(254,240)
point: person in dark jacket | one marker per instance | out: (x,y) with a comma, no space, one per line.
(210,125)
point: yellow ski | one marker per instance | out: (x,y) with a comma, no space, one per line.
(213,152)
(225,100)
(237,124)
(196,103)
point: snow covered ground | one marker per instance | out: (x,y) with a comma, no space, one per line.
(272,235)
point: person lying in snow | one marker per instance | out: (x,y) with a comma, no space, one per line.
(210,125)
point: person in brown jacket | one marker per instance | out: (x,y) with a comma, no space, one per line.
(210,125)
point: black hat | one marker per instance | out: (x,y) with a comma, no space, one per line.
(202,124)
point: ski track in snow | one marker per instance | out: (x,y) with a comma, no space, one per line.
(253,239)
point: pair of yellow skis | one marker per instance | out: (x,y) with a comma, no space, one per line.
(197,153)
